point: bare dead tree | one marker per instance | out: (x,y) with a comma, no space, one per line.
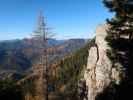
(41,70)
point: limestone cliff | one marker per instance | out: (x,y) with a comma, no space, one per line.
(100,72)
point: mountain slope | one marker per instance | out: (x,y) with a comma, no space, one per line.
(19,55)
(68,72)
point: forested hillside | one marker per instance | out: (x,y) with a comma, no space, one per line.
(68,72)
(59,73)
(64,76)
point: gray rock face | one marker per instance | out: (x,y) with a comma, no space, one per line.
(99,72)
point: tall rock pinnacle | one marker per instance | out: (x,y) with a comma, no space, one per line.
(99,72)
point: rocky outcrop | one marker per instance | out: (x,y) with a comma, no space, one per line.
(100,72)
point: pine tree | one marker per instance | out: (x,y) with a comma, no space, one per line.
(119,38)
(122,23)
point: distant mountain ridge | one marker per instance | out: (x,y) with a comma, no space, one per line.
(19,55)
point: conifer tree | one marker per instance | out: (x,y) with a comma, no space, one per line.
(120,38)
(122,23)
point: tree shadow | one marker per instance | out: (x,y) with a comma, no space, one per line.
(124,55)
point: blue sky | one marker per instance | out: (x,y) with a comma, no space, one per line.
(67,18)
